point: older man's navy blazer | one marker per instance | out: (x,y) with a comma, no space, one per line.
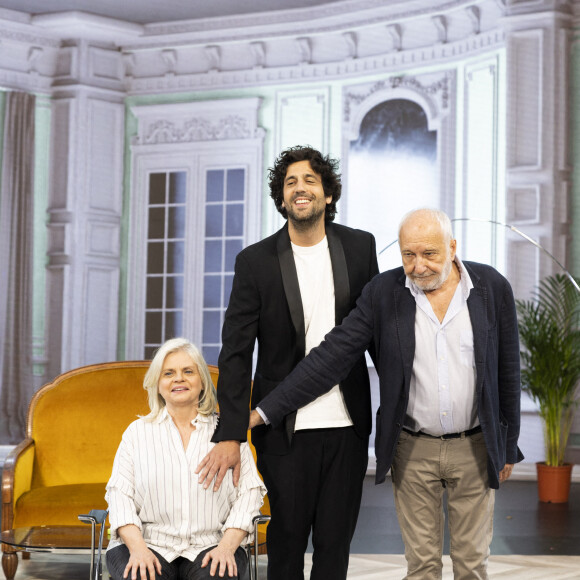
(385,313)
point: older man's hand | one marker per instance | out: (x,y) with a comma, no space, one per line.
(506,472)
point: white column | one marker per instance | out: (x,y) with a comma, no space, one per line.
(85,205)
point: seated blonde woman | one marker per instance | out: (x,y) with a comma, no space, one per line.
(164,525)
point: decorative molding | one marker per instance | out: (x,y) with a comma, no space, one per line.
(213,54)
(474,15)
(33,38)
(351,40)
(305,50)
(440,23)
(173,53)
(197,129)
(396,34)
(383,63)
(208,121)
(34,53)
(258,50)
(169,57)
(329,18)
(20,80)
(129,63)
(438,91)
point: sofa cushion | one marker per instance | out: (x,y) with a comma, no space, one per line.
(58,504)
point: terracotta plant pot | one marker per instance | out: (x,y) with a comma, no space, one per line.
(554,482)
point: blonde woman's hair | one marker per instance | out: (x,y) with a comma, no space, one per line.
(208,399)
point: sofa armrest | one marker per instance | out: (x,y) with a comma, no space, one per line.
(16,478)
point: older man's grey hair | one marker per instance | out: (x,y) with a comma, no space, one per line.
(435,215)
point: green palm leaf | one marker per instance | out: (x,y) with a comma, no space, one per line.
(549,328)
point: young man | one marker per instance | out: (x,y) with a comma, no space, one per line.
(289,290)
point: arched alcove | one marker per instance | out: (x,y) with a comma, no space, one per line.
(395,152)
(392,168)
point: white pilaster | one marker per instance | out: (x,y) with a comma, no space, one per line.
(85,204)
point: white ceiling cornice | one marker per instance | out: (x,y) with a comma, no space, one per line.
(318,20)
(349,15)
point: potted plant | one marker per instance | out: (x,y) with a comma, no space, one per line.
(549,327)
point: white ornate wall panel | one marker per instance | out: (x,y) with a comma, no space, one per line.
(99,320)
(538,42)
(63,114)
(105,172)
(525,52)
(524,264)
(482,195)
(524,208)
(302,117)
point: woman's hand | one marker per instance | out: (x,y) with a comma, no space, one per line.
(222,560)
(222,557)
(141,559)
(140,563)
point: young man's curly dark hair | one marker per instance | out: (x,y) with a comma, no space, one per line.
(326,167)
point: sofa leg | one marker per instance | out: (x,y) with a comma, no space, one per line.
(26,555)
(9,564)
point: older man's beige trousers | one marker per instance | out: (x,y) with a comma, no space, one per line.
(424,468)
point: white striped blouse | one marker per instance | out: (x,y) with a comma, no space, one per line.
(153,485)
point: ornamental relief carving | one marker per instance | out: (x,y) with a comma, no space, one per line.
(196,129)
(437,91)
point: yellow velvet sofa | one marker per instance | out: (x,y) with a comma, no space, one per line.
(74,427)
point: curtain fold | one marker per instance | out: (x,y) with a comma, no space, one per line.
(16,258)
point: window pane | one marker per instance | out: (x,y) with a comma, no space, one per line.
(156,188)
(156,223)
(154,292)
(213,221)
(212,291)
(175,257)
(150,352)
(210,354)
(173,324)
(155,258)
(211,326)
(235,220)
(213,256)
(233,248)
(215,185)
(235,187)
(176,225)
(153,330)
(177,187)
(174,297)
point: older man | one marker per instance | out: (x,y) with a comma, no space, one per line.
(448,362)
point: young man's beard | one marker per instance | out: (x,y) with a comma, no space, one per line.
(305,223)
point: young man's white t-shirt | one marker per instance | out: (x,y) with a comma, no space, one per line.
(316,282)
